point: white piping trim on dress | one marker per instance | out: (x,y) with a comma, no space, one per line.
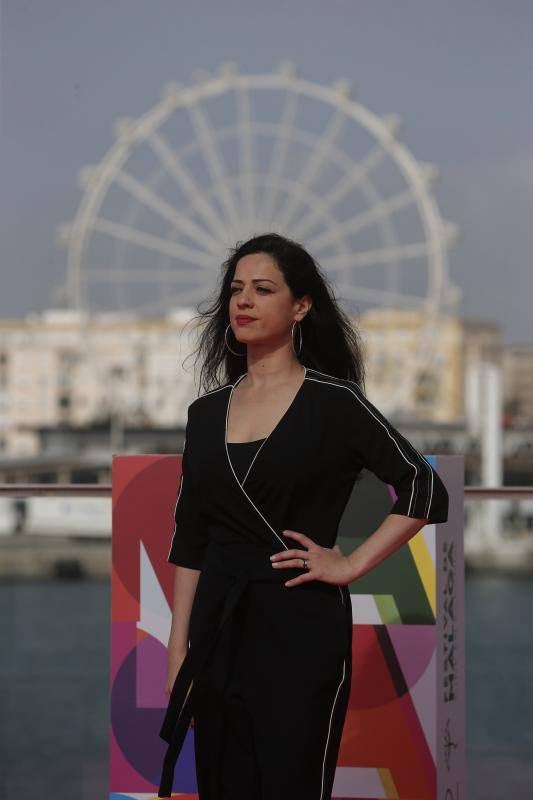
(253,459)
(181,476)
(430,495)
(211,391)
(177,501)
(275,426)
(329,727)
(415,451)
(285,545)
(425,462)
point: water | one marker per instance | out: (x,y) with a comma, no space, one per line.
(499,688)
(54,679)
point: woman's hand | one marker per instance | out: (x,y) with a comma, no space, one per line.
(326,564)
(174,661)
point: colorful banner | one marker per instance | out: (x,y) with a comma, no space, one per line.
(404,735)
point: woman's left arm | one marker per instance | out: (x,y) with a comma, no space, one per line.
(421,496)
(394,531)
(331,566)
(378,446)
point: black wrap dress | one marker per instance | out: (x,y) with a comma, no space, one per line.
(268,670)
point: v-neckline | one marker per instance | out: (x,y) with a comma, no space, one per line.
(266,438)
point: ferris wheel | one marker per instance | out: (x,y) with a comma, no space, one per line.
(235,155)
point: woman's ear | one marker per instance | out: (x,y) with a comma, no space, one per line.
(304,304)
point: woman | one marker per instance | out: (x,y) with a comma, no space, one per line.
(260,644)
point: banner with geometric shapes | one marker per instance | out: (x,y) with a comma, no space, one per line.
(404,735)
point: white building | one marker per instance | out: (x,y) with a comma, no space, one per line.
(62,366)
(66,367)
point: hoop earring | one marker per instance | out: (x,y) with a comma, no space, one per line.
(297,353)
(227,345)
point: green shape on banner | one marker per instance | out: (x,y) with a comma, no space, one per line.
(388,610)
(397,576)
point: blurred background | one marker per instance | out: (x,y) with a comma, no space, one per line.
(140,141)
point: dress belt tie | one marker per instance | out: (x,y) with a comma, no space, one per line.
(227,572)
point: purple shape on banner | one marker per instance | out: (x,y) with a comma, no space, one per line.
(136,731)
(151,673)
(414,645)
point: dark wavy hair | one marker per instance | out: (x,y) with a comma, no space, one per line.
(331,343)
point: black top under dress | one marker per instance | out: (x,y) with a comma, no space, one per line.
(242,455)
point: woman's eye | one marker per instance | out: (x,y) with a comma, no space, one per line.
(234,289)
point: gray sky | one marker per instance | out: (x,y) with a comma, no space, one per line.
(459,73)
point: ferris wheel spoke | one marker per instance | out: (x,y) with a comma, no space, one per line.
(385,255)
(180,221)
(355,175)
(381,297)
(309,199)
(314,164)
(175,168)
(214,163)
(380,210)
(150,242)
(245,152)
(278,159)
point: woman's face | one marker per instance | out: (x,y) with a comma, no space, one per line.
(259,292)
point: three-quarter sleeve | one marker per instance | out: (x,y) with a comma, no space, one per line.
(379,447)
(189,537)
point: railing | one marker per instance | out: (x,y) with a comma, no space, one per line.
(104,490)
(70,524)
